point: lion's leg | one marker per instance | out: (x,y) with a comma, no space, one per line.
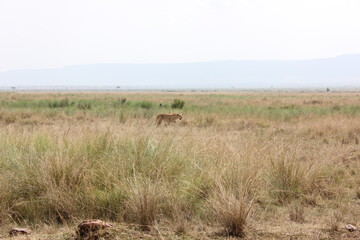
(158,121)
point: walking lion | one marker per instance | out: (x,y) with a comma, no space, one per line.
(167,118)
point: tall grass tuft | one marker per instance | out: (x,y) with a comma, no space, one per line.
(143,202)
(285,180)
(231,208)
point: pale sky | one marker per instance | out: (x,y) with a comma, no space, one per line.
(55,33)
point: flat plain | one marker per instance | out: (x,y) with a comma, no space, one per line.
(253,165)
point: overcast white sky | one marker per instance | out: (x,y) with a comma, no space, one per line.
(54,33)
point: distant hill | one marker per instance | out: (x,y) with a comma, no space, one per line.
(341,71)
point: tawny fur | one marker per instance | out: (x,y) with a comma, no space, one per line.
(167,118)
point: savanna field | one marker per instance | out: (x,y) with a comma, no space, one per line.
(253,165)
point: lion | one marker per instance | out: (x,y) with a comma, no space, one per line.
(168,118)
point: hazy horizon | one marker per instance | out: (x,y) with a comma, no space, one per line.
(190,62)
(328,72)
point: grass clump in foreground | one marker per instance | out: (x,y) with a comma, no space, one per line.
(231,209)
(143,202)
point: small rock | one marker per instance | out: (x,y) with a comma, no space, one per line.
(91,226)
(350,227)
(19,231)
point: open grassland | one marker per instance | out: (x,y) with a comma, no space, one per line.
(253,165)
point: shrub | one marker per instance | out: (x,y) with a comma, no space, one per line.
(53,104)
(178,104)
(84,105)
(146,104)
(59,104)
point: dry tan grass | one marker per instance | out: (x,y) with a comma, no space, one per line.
(61,165)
